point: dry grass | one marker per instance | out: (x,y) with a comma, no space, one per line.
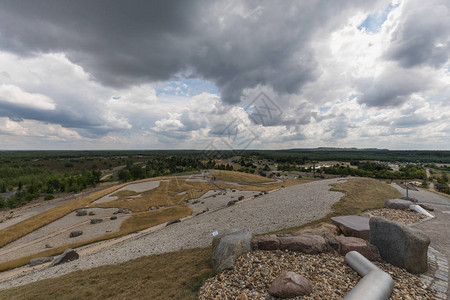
(134,223)
(240,177)
(169,193)
(260,187)
(361,194)
(175,275)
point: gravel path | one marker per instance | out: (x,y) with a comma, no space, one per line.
(292,206)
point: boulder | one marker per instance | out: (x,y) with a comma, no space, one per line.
(398,204)
(347,244)
(113,218)
(228,245)
(91,213)
(96,221)
(309,244)
(241,198)
(355,226)
(321,229)
(230,203)
(173,222)
(68,255)
(426,206)
(39,261)
(75,233)
(400,245)
(410,199)
(266,243)
(126,211)
(81,212)
(289,285)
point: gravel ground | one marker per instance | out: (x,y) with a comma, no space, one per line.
(330,276)
(404,216)
(292,206)
(55,233)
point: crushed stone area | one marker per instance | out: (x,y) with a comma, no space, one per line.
(330,276)
(398,215)
(57,233)
(291,206)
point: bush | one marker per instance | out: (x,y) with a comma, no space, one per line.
(49,197)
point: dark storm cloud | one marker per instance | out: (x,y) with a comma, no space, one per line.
(236,45)
(392,88)
(423,36)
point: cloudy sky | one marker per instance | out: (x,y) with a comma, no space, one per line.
(224,74)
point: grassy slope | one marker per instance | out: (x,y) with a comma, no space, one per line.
(176,275)
(240,177)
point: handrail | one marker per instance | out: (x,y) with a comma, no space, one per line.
(375,283)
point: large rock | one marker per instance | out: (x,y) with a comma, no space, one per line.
(310,244)
(289,285)
(39,261)
(96,221)
(426,206)
(355,226)
(321,229)
(347,244)
(68,255)
(398,204)
(270,242)
(400,245)
(75,233)
(228,245)
(81,212)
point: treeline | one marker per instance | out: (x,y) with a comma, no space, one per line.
(381,171)
(46,185)
(162,166)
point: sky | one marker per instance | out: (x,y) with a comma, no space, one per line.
(204,74)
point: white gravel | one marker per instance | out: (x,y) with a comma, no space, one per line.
(292,206)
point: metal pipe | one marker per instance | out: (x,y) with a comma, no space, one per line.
(375,283)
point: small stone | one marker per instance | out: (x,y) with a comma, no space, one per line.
(173,222)
(113,218)
(91,213)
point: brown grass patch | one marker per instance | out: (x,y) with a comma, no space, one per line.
(240,177)
(135,223)
(260,187)
(175,275)
(361,194)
